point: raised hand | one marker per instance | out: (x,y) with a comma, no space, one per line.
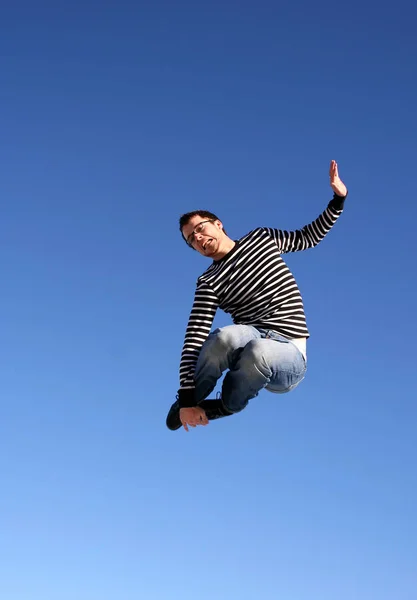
(336,183)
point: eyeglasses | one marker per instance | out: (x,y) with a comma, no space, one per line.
(197,229)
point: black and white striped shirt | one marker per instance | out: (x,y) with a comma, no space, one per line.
(254,285)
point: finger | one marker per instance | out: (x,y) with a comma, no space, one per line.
(185,426)
(202,417)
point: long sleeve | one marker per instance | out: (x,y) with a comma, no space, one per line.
(313,233)
(199,324)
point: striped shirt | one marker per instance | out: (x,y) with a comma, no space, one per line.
(254,285)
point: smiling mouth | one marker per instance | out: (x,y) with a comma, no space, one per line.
(207,243)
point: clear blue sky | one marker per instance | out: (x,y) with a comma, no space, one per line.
(114,120)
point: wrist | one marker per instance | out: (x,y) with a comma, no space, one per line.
(186,398)
(337,202)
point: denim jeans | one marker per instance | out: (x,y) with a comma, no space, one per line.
(256,359)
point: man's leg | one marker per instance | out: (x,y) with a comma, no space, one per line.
(219,352)
(254,362)
(275,364)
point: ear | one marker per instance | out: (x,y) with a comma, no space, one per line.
(219,225)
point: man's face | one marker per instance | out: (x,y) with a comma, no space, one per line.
(204,235)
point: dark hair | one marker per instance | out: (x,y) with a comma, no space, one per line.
(206,214)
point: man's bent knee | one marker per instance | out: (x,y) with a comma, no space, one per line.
(254,357)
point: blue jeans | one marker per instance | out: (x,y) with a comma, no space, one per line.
(256,359)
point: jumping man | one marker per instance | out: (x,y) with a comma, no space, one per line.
(266,346)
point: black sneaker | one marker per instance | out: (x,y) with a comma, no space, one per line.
(214,409)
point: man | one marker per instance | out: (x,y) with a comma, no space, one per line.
(266,346)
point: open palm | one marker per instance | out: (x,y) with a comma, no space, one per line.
(336,183)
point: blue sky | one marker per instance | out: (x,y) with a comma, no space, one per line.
(115,119)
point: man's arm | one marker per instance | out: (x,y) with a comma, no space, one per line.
(313,233)
(199,324)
